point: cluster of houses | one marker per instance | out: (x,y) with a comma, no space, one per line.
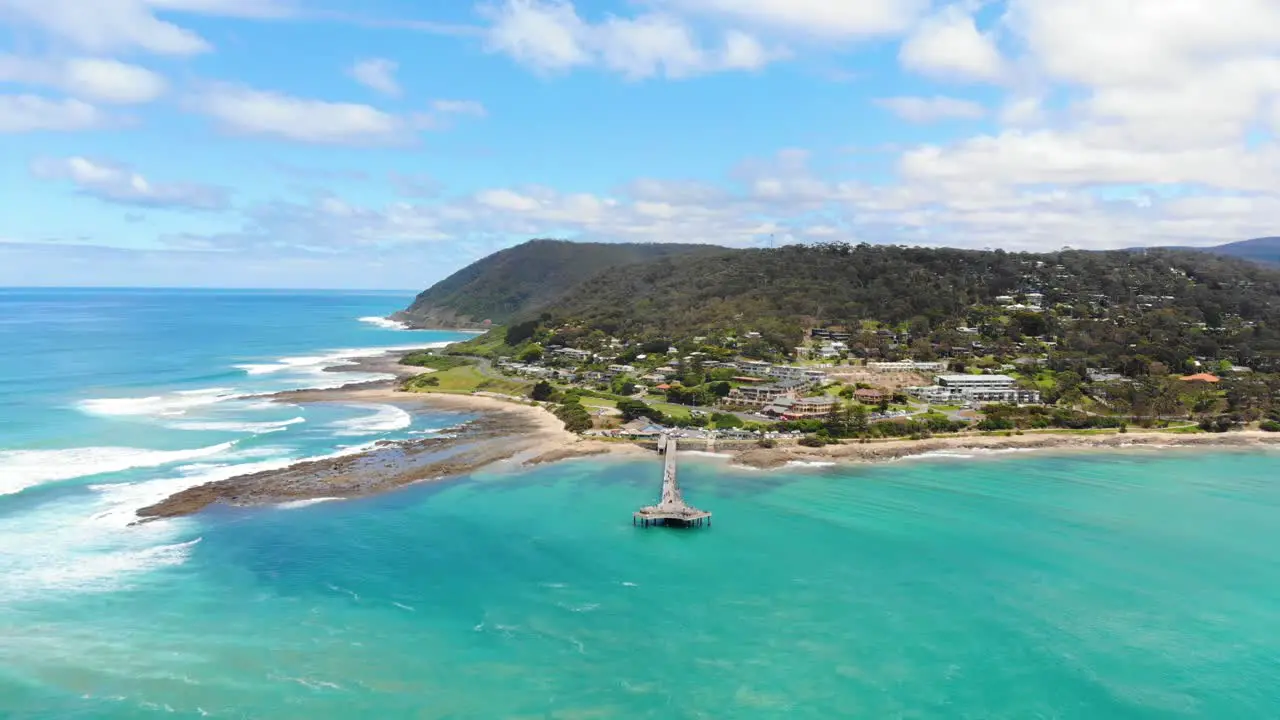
(975,390)
(785,397)
(1034,302)
(643,429)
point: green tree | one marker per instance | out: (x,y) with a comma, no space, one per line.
(533,353)
(634,409)
(520,332)
(542,391)
(575,417)
(726,421)
(858,422)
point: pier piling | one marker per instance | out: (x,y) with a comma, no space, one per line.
(671,509)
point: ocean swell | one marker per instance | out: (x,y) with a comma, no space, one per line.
(21,469)
(385,418)
(385,323)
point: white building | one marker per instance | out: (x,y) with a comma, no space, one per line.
(986,382)
(906,366)
(794,373)
(975,390)
(573,354)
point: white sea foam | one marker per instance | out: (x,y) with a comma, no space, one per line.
(385,323)
(967,453)
(104,572)
(171,405)
(21,469)
(810,464)
(311,371)
(705,454)
(296,504)
(385,418)
(238,427)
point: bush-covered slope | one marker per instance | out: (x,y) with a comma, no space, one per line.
(526,277)
(781,292)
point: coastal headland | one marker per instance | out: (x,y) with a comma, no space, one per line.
(515,432)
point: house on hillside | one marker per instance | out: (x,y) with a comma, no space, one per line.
(868,396)
(574,354)
(1200,378)
(812,407)
(759,396)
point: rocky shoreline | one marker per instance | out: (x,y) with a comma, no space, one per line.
(526,434)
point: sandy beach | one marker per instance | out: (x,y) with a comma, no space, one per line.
(854,452)
(517,433)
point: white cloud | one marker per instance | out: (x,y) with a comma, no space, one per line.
(1102,42)
(932,109)
(842,19)
(1089,158)
(378,74)
(230,8)
(104,25)
(102,80)
(546,35)
(459,107)
(550,36)
(247,111)
(31,113)
(117,183)
(101,26)
(949,45)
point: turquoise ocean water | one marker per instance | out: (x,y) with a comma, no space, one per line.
(1135,584)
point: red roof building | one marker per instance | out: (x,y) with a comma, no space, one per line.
(1200,377)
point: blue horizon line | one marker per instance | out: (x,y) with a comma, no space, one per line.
(205,288)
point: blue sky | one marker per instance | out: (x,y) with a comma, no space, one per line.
(386,143)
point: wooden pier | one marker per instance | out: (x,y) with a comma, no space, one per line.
(671,509)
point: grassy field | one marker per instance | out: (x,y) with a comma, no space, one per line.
(588,401)
(464,381)
(491,344)
(431,360)
(675,411)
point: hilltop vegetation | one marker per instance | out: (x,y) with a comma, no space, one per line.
(1262,250)
(525,278)
(1116,309)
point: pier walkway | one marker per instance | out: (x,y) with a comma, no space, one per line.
(671,508)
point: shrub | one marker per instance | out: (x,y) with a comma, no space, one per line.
(812,441)
(1270,426)
(767,443)
(541,391)
(575,417)
(428,359)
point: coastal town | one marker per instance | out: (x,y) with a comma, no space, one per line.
(870,381)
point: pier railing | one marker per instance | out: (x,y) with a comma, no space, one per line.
(671,508)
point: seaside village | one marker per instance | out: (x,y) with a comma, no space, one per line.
(763,392)
(883,381)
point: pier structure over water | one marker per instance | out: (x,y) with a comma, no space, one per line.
(671,509)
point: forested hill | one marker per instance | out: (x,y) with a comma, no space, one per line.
(527,277)
(1263,250)
(780,292)
(1165,301)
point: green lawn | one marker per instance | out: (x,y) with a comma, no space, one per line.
(675,411)
(589,401)
(464,381)
(433,361)
(1185,430)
